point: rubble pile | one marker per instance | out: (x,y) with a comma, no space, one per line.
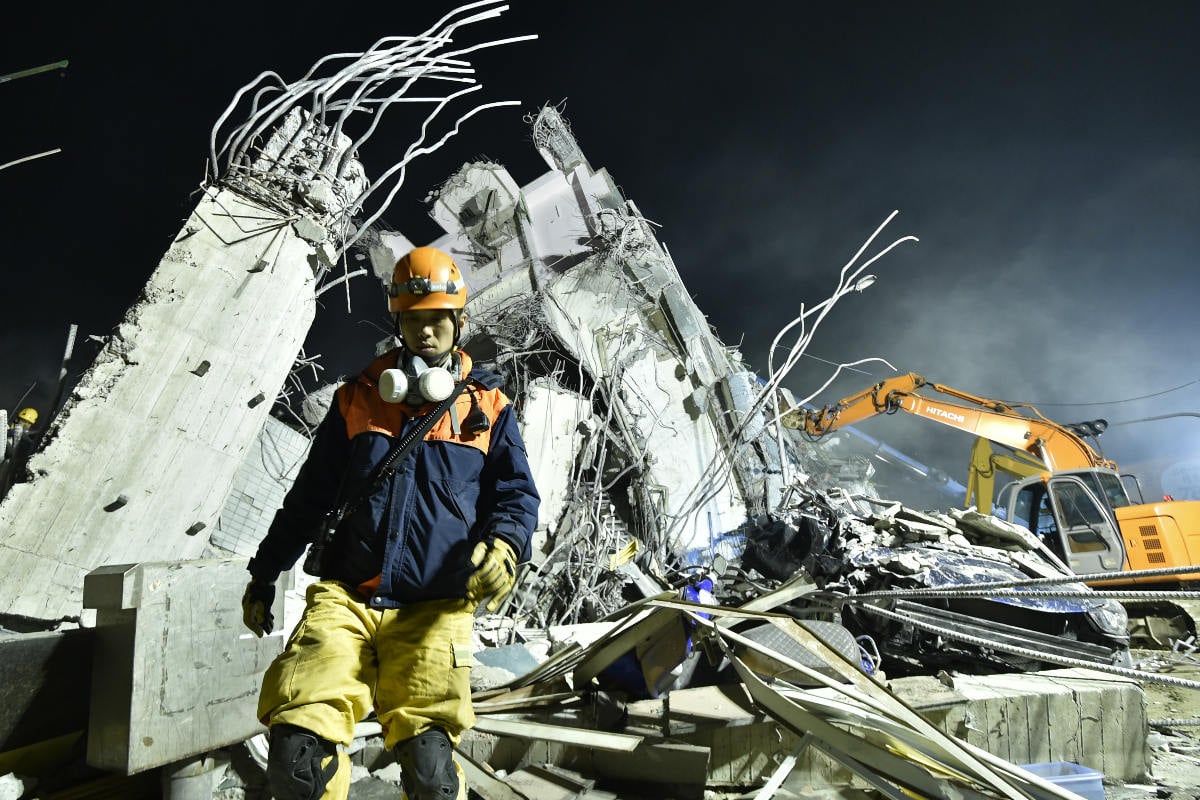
(649,436)
(858,548)
(680,587)
(793,717)
(716,606)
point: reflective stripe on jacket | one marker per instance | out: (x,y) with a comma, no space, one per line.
(416,531)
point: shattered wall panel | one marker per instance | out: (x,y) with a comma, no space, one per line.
(600,322)
(552,419)
(259,486)
(572,294)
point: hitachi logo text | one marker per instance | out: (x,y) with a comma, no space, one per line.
(941,412)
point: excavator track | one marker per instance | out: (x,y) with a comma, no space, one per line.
(1158,624)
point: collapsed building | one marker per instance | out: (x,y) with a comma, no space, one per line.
(675,510)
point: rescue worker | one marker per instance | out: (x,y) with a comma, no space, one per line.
(18,444)
(388,625)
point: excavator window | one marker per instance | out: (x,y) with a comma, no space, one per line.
(1031,508)
(1047,525)
(1080,511)
(1022,506)
(1109,487)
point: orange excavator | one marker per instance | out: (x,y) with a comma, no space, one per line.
(1066,493)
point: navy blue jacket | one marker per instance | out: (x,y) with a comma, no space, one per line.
(412,539)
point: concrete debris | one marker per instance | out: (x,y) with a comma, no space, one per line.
(897,548)
(586,316)
(715,606)
(11,787)
(554,733)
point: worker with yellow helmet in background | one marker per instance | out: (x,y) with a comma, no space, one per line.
(18,444)
(411,551)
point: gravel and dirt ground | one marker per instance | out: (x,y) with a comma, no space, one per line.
(1175,749)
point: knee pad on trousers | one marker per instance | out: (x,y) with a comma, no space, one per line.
(299,763)
(427,766)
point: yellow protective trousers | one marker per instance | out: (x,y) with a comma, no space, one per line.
(411,664)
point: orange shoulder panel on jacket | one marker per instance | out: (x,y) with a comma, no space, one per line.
(490,401)
(364,410)
(361,406)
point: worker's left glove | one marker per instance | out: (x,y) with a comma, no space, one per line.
(495,572)
(256,606)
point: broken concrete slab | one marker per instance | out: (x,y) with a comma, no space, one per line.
(176,675)
(528,729)
(1077,715)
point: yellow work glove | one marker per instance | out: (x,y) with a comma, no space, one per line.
(495,573)
(256,606)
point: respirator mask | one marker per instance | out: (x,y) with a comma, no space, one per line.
(417,383)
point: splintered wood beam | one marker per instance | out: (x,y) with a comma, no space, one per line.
(521,729)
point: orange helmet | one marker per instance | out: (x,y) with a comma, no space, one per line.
(426,278)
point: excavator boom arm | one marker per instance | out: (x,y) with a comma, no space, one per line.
(1053,444)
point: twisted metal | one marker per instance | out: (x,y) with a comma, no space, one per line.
(719,471)
(1026,652)
(1084,594)
(1048,581)
(367,83)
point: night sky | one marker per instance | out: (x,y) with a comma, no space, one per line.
(1047,155)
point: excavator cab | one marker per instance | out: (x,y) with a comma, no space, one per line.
(1066,513)
(1065,490)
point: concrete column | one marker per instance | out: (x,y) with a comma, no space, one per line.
(193,779)
(142,457)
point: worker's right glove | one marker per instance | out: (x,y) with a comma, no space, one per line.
(256,606)
(495,572)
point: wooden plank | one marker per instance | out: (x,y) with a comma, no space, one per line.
(834,740)
(483,781)
(539,731)
(529,695)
